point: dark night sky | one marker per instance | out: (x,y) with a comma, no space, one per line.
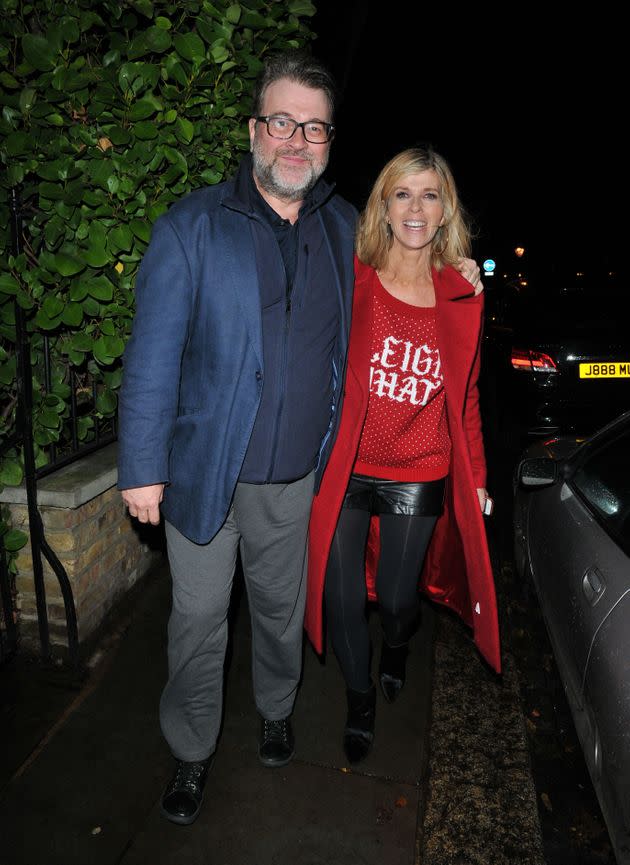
(527,112)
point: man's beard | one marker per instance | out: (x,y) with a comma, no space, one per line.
(271,180)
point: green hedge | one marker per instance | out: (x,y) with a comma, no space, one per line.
(110,111)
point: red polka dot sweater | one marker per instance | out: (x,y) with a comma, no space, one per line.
(405,435)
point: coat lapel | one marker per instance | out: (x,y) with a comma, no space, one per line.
(458,325)
(240,272)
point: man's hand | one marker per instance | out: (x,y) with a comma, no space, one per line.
(144,502)
(469,269)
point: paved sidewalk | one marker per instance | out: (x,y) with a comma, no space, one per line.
(88,794)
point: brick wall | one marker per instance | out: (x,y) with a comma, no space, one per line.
(102,550)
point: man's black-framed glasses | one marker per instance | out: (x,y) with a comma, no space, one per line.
(314,131)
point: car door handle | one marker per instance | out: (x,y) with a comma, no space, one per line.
(593,586)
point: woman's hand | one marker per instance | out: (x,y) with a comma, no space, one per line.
(482,494)
(469,269)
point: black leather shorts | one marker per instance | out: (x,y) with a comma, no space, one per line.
(379,496)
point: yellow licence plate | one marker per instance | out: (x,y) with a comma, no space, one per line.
(605,370)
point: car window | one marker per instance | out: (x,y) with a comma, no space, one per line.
(577,302)
(602,480)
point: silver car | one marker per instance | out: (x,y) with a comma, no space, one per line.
(572,537)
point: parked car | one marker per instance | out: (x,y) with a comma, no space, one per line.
(556,354)
(572,538)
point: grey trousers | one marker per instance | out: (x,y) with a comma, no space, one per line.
(269,522)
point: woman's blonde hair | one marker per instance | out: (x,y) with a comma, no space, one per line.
(374,237)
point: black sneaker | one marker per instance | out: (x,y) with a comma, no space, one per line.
(181,802)
(277,745)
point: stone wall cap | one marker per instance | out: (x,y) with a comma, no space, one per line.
(72,485)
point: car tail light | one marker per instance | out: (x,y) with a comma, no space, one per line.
(532,361)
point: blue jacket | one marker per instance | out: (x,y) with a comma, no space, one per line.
(193,367)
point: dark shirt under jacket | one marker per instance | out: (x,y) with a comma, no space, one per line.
(300,320)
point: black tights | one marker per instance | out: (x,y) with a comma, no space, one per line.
(404,541)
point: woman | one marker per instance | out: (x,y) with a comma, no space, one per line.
(406,478)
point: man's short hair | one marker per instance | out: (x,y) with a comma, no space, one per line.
(297,66)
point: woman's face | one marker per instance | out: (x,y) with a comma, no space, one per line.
(415,210)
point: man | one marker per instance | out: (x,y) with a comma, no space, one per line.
(231,379)
(229,406)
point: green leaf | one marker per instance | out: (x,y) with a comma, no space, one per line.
(68,265)
(145,130)
(117,135)
(106,402)
(141,229)
(8,284)
(52,191)
(301,7)
(158,39)
(185,130)
(7,80)
(84,425)
(7,372)
(233,13)
(115,346)
(27,99)
(112,58)
(100,288)
(96,255)
(54,230)
(138,47)
(78,291)
(142,109)
(14,540)
(72,314)
(91,307)
(52,306)
(10,473)
(17,143)
(75,357)
(69,30)
(15,174)
(52,401)
(39,52)
(120,238)
(113,379)
(81,342)
(189,46)
(49,419)
(210,176)
(100,351)
(144,7)
(219,53)
(43,436)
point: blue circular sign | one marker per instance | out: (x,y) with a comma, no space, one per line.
(489,265)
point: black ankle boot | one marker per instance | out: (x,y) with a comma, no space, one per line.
(392,670)
(183,796)
(358,733)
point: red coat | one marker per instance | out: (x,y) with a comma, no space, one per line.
(457,569)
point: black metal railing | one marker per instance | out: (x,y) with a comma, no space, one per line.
(70,447)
